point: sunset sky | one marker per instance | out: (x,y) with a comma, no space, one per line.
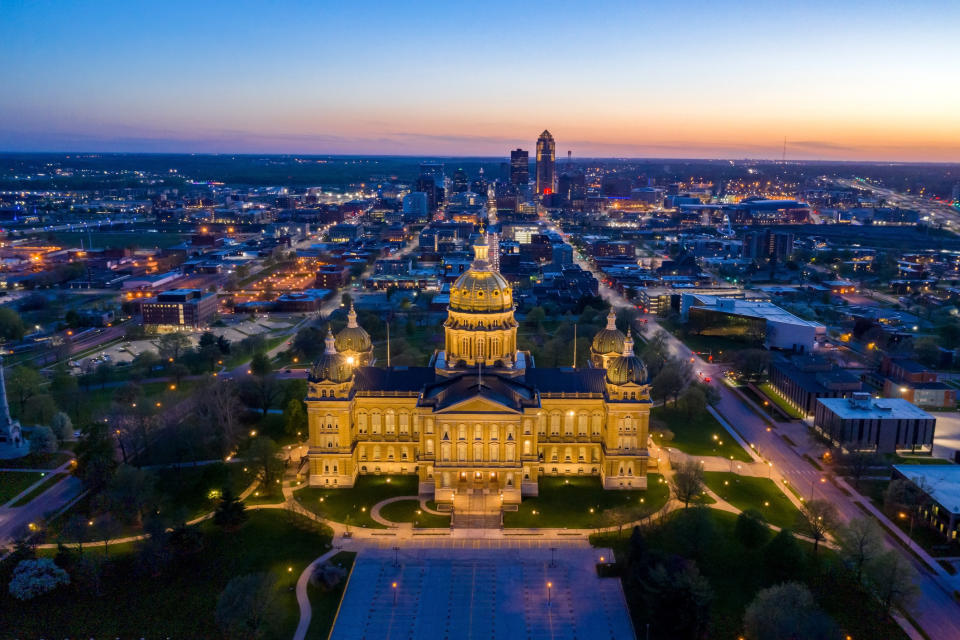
(720,79)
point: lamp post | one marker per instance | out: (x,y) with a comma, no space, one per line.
(553,561)
(396,556)
(549,594)
(394,587)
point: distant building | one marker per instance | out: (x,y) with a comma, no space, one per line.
(884,425)
(777,328)
(332,276)
(416,206)
(916,383)
(546,164)
(562,254)
(179,308)
(519,168)
(768,246)
(803,380)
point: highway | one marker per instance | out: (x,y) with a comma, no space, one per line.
(930,210)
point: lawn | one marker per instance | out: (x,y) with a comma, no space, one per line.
(747,492)
(325,604)
(695,435)
(197,489)
(736,573)
(12,483)
(409,511)
(580,503)
(355,503)
(180,602)
(771,393)
(49,481)
(37,461)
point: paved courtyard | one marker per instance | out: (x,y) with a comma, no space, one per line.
(467,593)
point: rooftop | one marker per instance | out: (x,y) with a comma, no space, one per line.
(874,408)
(942,482)
(752,309)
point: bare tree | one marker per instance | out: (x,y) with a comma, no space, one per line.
(815,519)
(687,482)
(218,408)
(892,580)
(861,541)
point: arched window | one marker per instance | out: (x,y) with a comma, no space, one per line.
(445,451)
(477,432)
(494,452)
(461,432)
(527,447)
(512,451)
(391,421)
(429,445)
(375,422)
(462,451)
(478,451)
(582,424)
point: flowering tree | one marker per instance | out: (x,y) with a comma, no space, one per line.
(33,578)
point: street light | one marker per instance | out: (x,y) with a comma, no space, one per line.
(549,593)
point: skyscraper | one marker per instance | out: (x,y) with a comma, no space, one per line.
(519,167)
(546,163)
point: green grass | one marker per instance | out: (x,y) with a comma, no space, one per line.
(695,436)
(37,461)
(12,483)
(736,573)
(771,393)
(48,482)
(566,503)
(406,511)
(325,604)
(180,602)
(355,503)
(196,490)
(266,495)
(747,492)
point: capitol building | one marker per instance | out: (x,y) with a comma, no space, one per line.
(481,418)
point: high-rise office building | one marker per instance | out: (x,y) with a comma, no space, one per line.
(432,182)
(546,163)
(768,246)
(461,182)
(519,167)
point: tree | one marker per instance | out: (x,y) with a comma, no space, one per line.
(172,345)
(693,401)
(678,587)
(22,384)
(96,458)
(66,391)
(861,541)
(782,558)
(43,441)
(77,529)
(656,352)
(815,519)
(62,426)
(131,494)
(892,580)
(752,363)
(106,528)
(327,576)
(904,498)
(294,417)
(668,383)
(231,513)
(787,611)
(260,364)
(32,578)
(751,529)
(39,409)
(858,463)
(218,410)
(687,482)
(11,325)
(248,608)
(927,351)
(263,455)
(261,392)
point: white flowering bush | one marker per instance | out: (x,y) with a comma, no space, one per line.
(32,578)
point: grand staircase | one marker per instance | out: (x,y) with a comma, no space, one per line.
(473,509)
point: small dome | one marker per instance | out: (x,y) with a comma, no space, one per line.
(627,367)
(331,366)
(609,339)
(353,337)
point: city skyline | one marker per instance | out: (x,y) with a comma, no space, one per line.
(700,81)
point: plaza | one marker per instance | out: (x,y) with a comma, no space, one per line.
(521,591)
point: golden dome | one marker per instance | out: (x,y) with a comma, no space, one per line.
(353,337)
(480,289)
(627,367)
(331,366)
(609,339)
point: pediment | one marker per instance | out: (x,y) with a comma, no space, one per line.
(478,404)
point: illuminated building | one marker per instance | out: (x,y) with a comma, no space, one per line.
(481,417)
(546,163)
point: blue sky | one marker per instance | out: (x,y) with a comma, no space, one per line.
(699,79)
